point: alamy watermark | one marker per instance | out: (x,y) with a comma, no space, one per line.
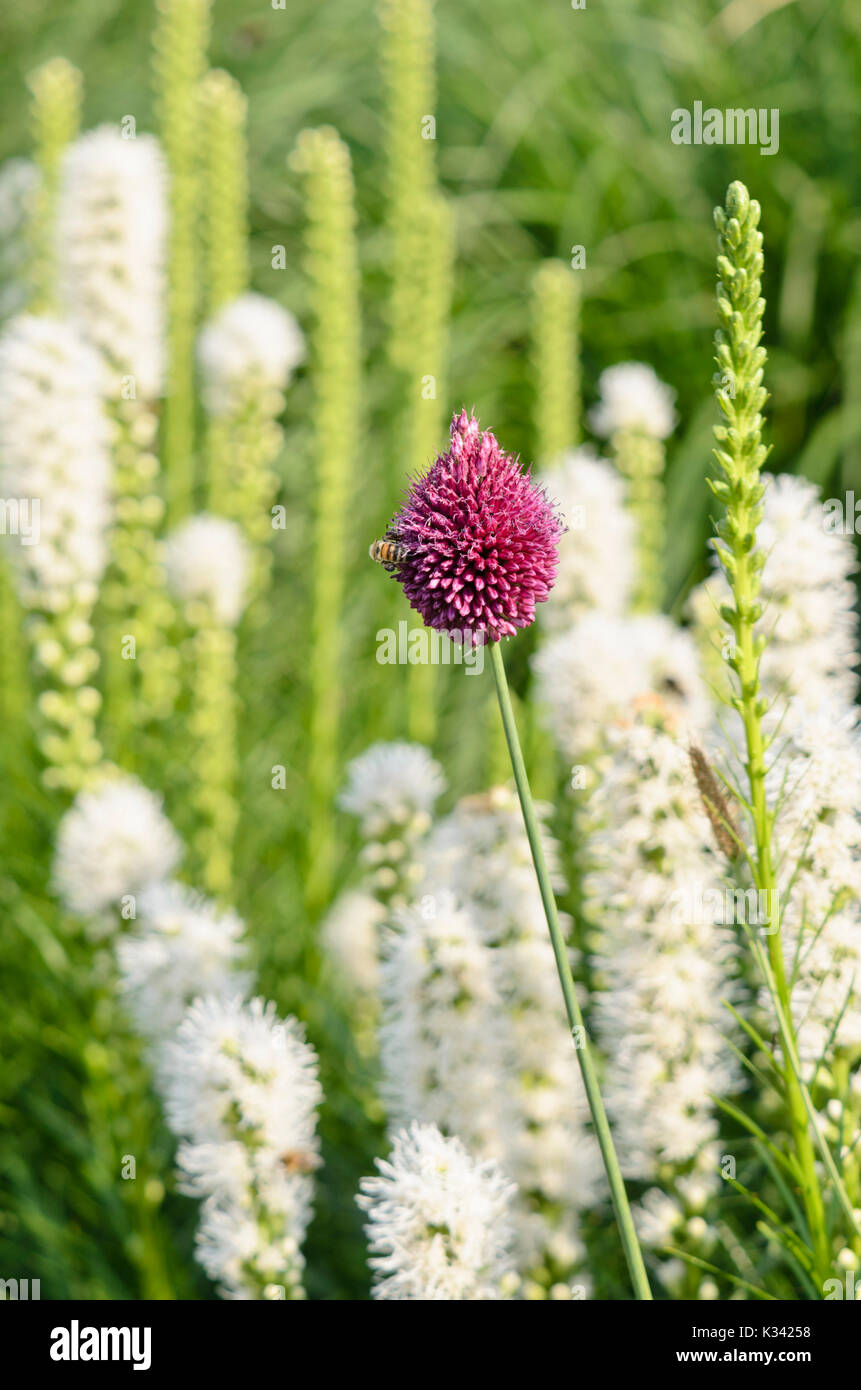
(735,126)
(21,516)
(841,516)
(729,907)
(424,646)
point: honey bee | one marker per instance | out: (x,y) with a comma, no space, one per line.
(389,552)
(298,1161)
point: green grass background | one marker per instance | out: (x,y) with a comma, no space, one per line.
(552,130)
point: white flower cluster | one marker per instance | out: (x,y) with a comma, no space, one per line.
(604,667)
(251,346)
(240,1086)
(438,1222)
(441,1036)
(390,784)
(499,1069)
(596,553)
(183,947)
(111,231)
(113,842)
(241,1090)
(207,563)
(350,934)
(392,788)
(54,456)
(808,598)
(816,787)
(664,959)
(633,397)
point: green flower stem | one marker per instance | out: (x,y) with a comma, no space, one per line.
(640,459)
(223,108)
(740,454)
(242,450)
(624,1219)
(213,731)
(407,60)
(555,354)
(181,35)
(335,366)
(142,684)
(57,90)
(789,1044)
(426,398)
(65,660)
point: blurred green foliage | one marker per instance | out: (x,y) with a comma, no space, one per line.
(552,131)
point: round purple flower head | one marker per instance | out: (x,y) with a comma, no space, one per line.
(478,539)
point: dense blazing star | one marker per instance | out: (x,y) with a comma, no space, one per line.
(479,540)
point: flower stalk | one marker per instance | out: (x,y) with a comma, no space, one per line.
(180,41)
(56,88)
(625,1221)
(407,60)
(640,458)
(555,350)
(740,454)
(223,108)
(333,273)
(424,414)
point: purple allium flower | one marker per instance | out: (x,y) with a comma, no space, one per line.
(480,539)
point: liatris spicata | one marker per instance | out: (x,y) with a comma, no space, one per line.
(480,549)
(56,112)
(438,1222)
(555,352)
(545,1146)
(111,230)
(809,597)
(180,40)
(53,447)
(442,1035)
(407,60)
(596,553)
(740,453)
(247,353)
(392,789)
(816,791)
(207,567)
(664,962)
(112,843)
(424,407)
(241,1090)
(603,667)
(420,227)
(332,266)
(223,109)
(350,934)
(636,413)
(111,235)
(182,946)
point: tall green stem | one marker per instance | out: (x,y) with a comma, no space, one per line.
(640,458)
(333,274)
(181,35)
(425,399)
(225,200)
(556,364)
(740,454)
(57,89)
(625,1221)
